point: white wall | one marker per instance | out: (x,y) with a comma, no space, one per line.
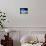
(36,19)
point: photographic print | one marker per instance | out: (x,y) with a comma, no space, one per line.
(23,10)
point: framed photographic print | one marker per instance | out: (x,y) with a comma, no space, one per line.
(23,10)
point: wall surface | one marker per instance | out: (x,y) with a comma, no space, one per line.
(15,19)
(21,22)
